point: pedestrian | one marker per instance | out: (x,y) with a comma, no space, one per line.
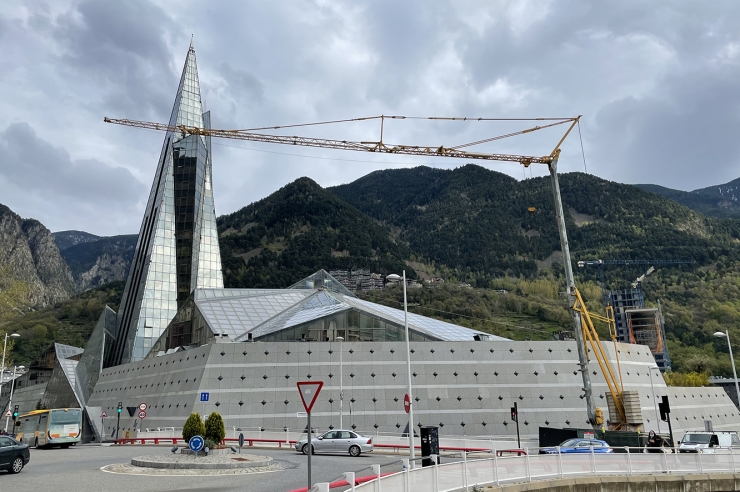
(655,442)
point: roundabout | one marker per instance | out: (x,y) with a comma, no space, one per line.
(189,465)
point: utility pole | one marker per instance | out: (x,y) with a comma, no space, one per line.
(570,289)
(515,418)
(118,422)
(341,386)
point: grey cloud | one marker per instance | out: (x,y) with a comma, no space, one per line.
(655,82)
(35,165)
(684,137)
(242,83)
(122,45)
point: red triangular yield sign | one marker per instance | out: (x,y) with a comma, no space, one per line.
(309,391)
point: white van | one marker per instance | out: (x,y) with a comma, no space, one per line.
(707,442)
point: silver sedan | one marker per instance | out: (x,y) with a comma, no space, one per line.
(337,441)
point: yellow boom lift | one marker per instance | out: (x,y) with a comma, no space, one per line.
(584,331)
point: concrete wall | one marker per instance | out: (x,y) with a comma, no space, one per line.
(26,398)
(456,382)
(647,483)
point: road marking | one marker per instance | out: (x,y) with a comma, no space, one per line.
(166,472)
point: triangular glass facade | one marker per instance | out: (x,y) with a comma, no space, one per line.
(322,280)
(177,249)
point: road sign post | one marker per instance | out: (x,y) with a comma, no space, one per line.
(309,391)
(102,425)
(204,395)
(196,443)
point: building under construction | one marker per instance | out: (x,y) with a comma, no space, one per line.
(359,280)
(640,325)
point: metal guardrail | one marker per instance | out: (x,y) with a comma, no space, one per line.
(463,475)
(251,441)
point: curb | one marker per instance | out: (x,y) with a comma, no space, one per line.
(147,463)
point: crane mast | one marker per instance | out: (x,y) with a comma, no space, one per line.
(455,152)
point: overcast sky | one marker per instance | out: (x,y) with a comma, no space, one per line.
(656,83)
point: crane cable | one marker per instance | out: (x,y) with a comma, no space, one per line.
(582,152)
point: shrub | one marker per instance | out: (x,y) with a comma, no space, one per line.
(215,429)
(193,427)
(210,444)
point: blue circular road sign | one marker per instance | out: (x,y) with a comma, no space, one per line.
(196,443)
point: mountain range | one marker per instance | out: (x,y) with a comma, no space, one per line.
(469,225)
(716,201)
(95,261)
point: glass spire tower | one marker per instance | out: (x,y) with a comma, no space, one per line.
(177,249)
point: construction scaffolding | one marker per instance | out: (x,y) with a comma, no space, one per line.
(646,328)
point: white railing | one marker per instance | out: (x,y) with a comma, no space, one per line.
(462,475)
(498,442)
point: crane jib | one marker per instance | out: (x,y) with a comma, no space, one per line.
(439,151)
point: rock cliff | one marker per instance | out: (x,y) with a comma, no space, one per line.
(95,263)
(29,254)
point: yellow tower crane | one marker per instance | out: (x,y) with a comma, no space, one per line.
(584,330)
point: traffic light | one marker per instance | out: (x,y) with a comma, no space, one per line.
(120,407)
(513,413)
(665,409)
(15,412)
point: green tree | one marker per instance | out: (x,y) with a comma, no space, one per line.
(214,427)
(39,331)
(193,427)
(686,379)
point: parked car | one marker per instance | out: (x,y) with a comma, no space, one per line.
(337,441)
(580,446)
(706,442)
(13,455)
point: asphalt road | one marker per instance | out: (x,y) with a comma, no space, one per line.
(77,469)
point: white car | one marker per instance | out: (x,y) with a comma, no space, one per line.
(337,441)
(707,442)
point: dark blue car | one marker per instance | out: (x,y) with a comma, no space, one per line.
(13,455)
(580,446)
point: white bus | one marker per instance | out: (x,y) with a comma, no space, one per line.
(55,427)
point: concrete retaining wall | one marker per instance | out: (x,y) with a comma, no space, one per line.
(644,483)
(466,388)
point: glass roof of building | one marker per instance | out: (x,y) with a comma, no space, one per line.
(318,305)
(236,312)
(429,326)
(322,280)
(234,316)
(65,351)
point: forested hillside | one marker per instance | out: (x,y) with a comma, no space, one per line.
(468,226)
(478,222)
(298,230)
(69,322)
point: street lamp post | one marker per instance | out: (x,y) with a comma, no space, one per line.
(726,335)
(341,387)
(2,366)
(655,401)
(412,451)
(12,387)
